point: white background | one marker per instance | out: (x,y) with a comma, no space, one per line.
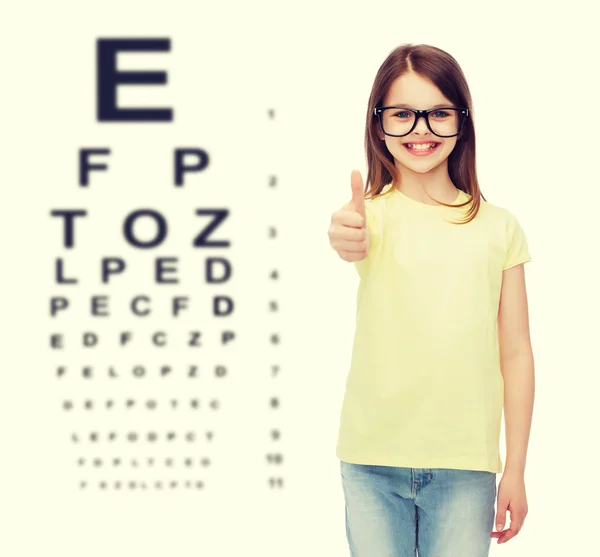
(531,68)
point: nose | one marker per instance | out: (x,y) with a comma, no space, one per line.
(421,126)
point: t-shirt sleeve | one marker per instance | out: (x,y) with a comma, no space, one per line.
(517,250)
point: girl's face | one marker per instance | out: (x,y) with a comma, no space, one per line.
(413,91)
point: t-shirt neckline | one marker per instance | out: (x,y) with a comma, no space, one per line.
(427,205)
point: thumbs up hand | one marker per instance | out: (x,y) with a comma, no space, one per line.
(348,232)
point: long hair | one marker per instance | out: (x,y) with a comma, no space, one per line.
(442,70)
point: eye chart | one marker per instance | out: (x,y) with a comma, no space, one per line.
(145,338)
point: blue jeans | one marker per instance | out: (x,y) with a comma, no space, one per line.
(439,512)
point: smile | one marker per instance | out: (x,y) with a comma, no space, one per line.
(421,149)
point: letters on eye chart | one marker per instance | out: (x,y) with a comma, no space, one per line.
(142,369)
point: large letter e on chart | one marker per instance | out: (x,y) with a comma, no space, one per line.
(108,78)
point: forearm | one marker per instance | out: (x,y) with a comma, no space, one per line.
(519,389)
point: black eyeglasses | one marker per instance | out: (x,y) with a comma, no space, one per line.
(399,121)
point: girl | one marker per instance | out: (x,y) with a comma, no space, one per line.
(442,331)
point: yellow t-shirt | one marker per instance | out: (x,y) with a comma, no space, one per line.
(425,389)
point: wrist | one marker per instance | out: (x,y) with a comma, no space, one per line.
(514,468)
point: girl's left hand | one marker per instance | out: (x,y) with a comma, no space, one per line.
(511,497)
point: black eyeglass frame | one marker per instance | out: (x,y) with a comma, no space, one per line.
(422,114)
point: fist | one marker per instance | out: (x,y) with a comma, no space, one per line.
(348,232)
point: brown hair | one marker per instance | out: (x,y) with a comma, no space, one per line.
(442,70)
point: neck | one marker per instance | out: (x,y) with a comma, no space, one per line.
(436,183)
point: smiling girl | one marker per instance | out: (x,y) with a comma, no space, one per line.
(442,339)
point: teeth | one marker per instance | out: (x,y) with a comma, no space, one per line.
(420,146)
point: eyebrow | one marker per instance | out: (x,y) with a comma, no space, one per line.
(448,105)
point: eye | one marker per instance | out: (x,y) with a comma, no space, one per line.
(439,114)
(403,112)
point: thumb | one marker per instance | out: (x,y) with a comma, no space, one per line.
(358,194)
(500,517)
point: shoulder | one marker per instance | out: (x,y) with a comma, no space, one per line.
(378,203)
(505,230)
(497,214)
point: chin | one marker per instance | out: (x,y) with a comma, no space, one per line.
(420,167)
(421,164)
